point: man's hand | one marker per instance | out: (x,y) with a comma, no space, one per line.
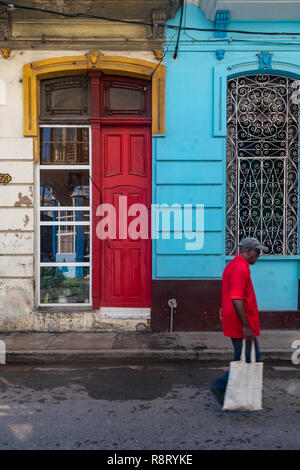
(248,333)
(240,311)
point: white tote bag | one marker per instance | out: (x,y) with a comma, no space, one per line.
(244,386)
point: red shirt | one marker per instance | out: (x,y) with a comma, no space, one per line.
(237,284)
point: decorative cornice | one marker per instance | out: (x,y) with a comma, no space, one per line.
(265,60)
(220,53)
(158,17)
(158,54)
(94,58)
(222,20)
(5,31)
(5,53)
(41,31)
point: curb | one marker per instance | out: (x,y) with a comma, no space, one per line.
(67,356)
(84,356)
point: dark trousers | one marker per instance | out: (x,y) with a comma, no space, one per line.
(221,383)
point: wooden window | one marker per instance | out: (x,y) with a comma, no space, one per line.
(64,146)
(65,100)
(125,98)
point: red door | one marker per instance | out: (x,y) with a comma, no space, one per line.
(126,180)
(122,163)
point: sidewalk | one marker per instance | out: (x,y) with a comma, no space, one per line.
(36,347)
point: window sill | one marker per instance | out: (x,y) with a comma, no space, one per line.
(65,309)
(272,258)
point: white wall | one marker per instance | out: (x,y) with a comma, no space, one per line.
(17,215)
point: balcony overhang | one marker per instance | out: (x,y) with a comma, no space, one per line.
(38,30)
(253,10)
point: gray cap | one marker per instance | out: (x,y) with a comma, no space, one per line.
(251,243)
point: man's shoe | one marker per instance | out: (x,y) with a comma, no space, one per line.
(219,394)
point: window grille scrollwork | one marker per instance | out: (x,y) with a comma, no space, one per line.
(262,163)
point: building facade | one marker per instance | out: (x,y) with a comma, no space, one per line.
(231,143)
(81,98)
(103,132)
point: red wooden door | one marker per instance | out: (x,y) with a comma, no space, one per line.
(125,169)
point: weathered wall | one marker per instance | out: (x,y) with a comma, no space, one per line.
(18,218)
(27,29)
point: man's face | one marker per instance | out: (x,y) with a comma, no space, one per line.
(253,255)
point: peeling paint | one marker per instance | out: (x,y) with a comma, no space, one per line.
(26,220)
(23,201)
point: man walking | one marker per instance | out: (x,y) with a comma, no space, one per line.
(240,316)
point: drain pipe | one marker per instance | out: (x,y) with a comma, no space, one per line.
(172,304)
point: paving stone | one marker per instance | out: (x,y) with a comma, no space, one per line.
(83,341)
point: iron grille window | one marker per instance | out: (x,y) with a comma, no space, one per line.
(262,163)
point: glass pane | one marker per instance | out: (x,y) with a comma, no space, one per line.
(65,285)
(125,99)
(120,97)
(65,244)
(66,101)
(64,146)
(64,188)
(65,216)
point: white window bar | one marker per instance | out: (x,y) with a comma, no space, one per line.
(63,222)
(64,167)
(62,265)
(65,208)
(55,223)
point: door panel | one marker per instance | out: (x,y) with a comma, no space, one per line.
(137,155)
(113,155)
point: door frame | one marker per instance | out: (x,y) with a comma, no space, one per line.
(33,72)
(92,61)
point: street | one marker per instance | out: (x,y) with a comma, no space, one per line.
(142,406)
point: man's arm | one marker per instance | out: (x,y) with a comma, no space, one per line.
(240,311)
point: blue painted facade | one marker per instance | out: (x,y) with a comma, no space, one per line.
(189,162)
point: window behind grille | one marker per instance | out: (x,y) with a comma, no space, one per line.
(262,163)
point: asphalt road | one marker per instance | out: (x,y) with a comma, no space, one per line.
(143,406)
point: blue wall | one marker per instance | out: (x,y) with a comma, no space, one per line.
(189,161)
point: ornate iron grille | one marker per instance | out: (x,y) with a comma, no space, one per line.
(262,163)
